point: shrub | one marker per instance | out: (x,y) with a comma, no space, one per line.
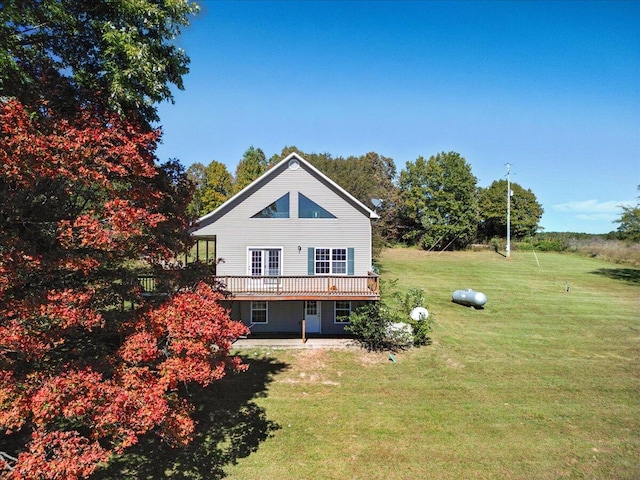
(407,301)
(540,244)
(370,324)
(376,325)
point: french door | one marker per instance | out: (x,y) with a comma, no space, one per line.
(266,262)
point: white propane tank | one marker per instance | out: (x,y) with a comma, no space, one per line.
(469,298)
(419,313)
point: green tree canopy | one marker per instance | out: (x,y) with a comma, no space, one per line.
(373,182)
(253,164)
(217,188)
(114,56)
(196,173)
(629,223)
(526,212)
(213,186)
(365,177)
(439,205)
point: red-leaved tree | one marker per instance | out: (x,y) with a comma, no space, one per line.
(82,377)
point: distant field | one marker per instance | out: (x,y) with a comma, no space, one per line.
(540,384)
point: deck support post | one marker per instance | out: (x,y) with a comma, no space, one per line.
(304,330)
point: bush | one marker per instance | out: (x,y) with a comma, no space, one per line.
(376,325)
(411,299)
(540,244)
(498,244)
(421,329)
(369,325)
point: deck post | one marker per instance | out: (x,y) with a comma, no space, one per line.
(304,330)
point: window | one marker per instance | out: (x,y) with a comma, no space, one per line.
(323,265)
(309,209)
(330,261)
(204,250)
(265,262)
(339,261)
(278,209)
(256,263)
(342,311)
(259,312)
(311,307)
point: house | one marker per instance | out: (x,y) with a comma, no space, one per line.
(293,248)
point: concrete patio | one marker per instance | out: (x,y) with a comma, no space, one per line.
(295,343)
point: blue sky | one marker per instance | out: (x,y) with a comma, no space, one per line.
(553,88)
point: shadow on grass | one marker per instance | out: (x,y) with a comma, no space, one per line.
(629,275)
(230,426)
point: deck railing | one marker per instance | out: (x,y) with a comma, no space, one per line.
(284,286)
(301,285)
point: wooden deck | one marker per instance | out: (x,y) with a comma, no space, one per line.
(301,287)
(288,287)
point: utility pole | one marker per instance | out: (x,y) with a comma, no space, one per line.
(508,211)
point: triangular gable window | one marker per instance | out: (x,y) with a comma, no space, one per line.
(278,209)
(310,209)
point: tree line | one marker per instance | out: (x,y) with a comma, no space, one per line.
(432,203)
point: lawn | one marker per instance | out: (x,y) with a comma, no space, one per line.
(542,383)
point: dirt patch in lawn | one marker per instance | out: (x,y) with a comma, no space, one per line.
(311,367)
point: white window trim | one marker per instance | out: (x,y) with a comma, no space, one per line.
(266,305)
(250,249)
(331,272)
(335,312)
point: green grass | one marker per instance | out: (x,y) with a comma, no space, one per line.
(542,383)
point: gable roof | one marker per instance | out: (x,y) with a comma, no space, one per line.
(272,172)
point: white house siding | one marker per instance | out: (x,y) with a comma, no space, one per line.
(236,231)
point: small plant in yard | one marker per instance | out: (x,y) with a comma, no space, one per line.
(369,324)
(387,324)
(411,299)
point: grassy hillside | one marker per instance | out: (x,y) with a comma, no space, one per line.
(542,383)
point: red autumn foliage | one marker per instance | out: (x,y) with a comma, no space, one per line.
(81,378)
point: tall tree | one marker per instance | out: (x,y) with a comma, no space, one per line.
(217,187)
(629,228)
(438,202)
(253,164)
(81,199)
(80,379)
(115,56)
(213,186)
(525,217)
(371,178)
(196,173)
(413,208)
